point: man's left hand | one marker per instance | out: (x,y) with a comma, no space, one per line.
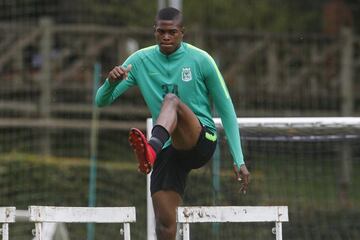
(242,175)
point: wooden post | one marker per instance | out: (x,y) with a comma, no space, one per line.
(199,36)
(347,109)
(121,50)
(46,43)
(19,67)
(272,67)
(346,72)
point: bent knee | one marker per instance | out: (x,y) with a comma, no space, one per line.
(165,231)
(170,97)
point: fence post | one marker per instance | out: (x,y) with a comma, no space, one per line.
(346,72)
(272,66)
(46,44)
(93,150)
(347,109)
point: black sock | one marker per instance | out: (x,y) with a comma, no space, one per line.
(159,136)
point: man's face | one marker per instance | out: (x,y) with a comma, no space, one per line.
(168,35)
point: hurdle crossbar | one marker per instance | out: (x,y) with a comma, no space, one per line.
(221,214)
(41,214)
(7,215)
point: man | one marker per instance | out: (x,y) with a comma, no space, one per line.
(177,81)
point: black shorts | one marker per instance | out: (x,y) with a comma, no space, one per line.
(172,166)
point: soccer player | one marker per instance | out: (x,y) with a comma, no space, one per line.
(179,82)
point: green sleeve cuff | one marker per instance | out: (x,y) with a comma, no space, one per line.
(239,163)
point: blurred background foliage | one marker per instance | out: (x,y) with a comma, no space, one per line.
(264,15)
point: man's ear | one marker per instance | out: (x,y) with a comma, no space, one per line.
(182,30)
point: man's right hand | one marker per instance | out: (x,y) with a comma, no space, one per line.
(119,73)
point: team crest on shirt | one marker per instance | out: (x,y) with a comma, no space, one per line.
(186,74)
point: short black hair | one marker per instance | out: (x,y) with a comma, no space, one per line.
(169,13)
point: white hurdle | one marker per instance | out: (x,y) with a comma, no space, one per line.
(7,215)
(221,214)
(41,214)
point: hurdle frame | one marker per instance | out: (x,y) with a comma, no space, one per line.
(222,214)
(7,215)
(41,214)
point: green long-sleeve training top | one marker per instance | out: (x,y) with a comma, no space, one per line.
(192,75)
